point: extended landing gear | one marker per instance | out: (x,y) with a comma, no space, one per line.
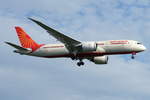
(133,55)
(80,63)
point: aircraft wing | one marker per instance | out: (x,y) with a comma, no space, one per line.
(70,43)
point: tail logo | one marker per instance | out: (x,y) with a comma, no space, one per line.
(25,39)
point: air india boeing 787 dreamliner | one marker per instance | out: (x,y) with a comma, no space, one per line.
(96,52)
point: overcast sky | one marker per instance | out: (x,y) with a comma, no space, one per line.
(31,78)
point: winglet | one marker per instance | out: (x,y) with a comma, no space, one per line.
(40,24)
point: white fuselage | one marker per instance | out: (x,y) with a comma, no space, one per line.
(103,48)
(76,50)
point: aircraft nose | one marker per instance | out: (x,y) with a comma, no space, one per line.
(143,48)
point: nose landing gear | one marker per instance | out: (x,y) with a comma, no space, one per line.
(133,55)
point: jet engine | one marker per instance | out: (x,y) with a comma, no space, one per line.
(89,46)
(100,60)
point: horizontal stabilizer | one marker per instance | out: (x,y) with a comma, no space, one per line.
(16,46)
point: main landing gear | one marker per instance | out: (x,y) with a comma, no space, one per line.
(133,55)
(80,63)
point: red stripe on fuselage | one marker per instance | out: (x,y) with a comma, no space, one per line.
(54,47)
(90,54)
(119,42)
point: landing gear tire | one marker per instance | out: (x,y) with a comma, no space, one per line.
(80,63)
(132,57)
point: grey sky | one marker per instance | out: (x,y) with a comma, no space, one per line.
(30,78)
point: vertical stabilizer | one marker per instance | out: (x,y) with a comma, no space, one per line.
(25,40)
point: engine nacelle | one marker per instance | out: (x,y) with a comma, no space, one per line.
(100,60)
(89,46)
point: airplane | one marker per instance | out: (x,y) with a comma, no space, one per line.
(94,51)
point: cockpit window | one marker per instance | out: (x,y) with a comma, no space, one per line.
(138,43)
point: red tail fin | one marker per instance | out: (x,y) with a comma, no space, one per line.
(25,39)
